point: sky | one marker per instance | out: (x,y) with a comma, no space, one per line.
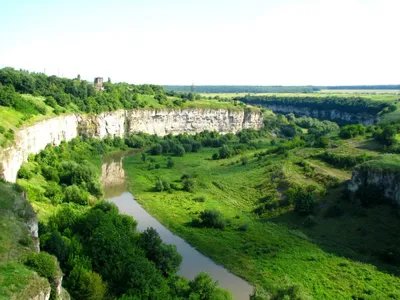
(206,42)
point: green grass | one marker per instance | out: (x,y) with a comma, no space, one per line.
(336,259)
(389,162)
(16,281)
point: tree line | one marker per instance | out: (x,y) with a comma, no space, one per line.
(347,104)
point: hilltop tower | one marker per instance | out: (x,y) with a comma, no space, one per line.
(99,84)
(192,88)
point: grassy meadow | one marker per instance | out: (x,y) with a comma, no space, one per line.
(336,257)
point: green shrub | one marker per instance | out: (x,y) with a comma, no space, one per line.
(170,163)
(162,185)
(179,150)
(42,263)
(84,284)
(24,173)
(200,199)
(156,150)
(2,129)
(224,152)
(75,195)
(303,199)
(188,184)
(211,219)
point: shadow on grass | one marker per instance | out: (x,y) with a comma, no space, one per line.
(369,235)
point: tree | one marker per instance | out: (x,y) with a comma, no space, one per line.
(166,257)
(225,152)
(143,157)
(179,150)
(202,287)
(188,184)
(74,194)
(170,163)
(84,284)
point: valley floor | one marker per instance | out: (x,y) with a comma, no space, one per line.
(336,257)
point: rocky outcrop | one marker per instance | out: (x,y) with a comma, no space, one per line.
(331,115)
(373,174)
(33,139)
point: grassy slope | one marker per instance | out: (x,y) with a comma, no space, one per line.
(275,248)
(16,281)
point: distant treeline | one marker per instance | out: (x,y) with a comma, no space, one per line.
(362,87)
(241,89)
(216,89)
(348,104)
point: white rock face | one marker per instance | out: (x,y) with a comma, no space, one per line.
(388,181)
(333,114)
(33,139)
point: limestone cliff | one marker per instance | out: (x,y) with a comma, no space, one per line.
(33,139)
(383,173)
(331,115)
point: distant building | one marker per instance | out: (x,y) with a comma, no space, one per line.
(99,84)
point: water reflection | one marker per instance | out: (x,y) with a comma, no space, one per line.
(193,262)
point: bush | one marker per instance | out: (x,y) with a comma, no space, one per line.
(188,184)
(24,173)
(84,284)
(74,194)
(224,152)
(42,263)
(211,219)
(350,131)
(199,199)
(244,160)
(156,150)
(50,174)
(170,163)
(303,199)
(179,150)
(162,185)
(2,129)
(54,192)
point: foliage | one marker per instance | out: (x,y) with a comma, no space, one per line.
(343,161)
(210,218)
(348,104)
(166,257)
(43,263)
(303,199)
(351,131)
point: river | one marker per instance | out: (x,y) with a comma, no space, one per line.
(193,262)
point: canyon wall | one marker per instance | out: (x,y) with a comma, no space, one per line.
(31,140)
(331,115)
(387,180)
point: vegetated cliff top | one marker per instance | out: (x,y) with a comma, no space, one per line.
(388,162)
(16,280)
(27,98)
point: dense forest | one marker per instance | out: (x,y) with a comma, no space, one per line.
(348,104)
(76,94)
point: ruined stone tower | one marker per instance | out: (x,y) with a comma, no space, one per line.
(98,84)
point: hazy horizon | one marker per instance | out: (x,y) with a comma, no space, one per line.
(252,43)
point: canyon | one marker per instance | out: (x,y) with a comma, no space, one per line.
(161,122)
